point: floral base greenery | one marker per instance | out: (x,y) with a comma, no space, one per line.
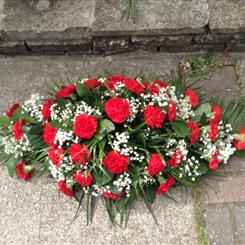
(119,139)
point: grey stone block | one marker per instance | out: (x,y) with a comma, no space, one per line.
(227,16)
(155,18)
(240,222)
(219,226)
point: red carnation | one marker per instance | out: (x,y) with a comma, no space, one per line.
(65,189)
(193,98)
(115,162)
(215,161)
(24,171)
(240,144)
(56,156)
(155,165)
(18,131)
(164,187)
(134,86)
(84,179)
(176,159)
(146,84)
(46,109)
(117,109)
(67,91)
(92,83)
(153,117)
(79,153)
(214,128)
(113,196)
(194,130)
(171,110)
(113,80)
(12,109)
(49,134)
(217,111)
(85,126)
(154,87)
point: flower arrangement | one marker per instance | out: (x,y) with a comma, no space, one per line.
(120,138)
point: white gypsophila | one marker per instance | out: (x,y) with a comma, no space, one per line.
(120,144)
(17,148)
(123,182)
(34,106)
(60,174)
(190,168)
(178,146)
(184,109)
(97,190)
(135,105)
(84,108)
(62,115)
(61,137)
(148,180)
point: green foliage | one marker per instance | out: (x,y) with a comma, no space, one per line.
(11,165)
(82,90)
(180,128)
(4,121)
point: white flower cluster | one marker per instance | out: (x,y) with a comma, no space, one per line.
(62,115)
(84,108)
(123,182)
(34,106)
(61,137)
(148,180)
(178,146)
(223,144)
(12,146)
(190,168)
(120,144)
(135,106)
(184,110)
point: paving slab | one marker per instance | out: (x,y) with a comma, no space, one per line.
(46,19)
(227,16)
(155,17)
(219,225)
(239,212)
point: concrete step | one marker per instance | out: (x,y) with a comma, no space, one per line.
(96,26)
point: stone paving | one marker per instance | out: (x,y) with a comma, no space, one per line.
(34,213)
(96,26)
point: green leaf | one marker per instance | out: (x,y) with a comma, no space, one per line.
(35,136)
(106,126)
(82,91)
(11,165)
(59,125)
(205,108)
(150,192)
(4,121)
(140,138)
(240,153)
(180,128)
(102,178)
(19,114)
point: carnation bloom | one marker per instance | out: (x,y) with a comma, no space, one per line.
(193,98)
(84,179)
(133,85)
(117,109)
(176,159)
(66,92)
(164,187)
(115,162)
(85,126)
(171,110)
(49,134)
(154,87)
(65,189)
(24,171)
(155,164)
(214,128)
(56,156)
(240,144)
(113,80)
(217,111)
(153,116)
(46,109)
(194,130)
(12,109)
(18,130)
(92,83)
(215,161)
(79,153)
(113,196)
